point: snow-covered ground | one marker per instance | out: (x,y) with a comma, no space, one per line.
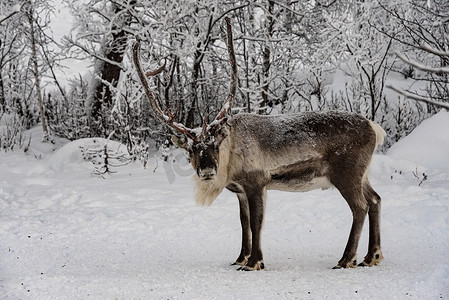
(68,234)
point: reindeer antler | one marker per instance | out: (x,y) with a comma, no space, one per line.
(168,117)
(226,109)
(157,71)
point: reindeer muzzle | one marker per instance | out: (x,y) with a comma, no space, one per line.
(207,174)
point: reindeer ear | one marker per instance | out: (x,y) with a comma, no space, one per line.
(180,142)
(222,133)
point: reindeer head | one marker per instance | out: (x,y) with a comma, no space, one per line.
(203,144)
(204,152)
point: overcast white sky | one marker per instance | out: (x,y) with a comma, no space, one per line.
(61,24)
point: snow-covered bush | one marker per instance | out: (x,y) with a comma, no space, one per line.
(12,133)
(103,156)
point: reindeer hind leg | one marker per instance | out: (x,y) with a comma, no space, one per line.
(354,197)
(374,255)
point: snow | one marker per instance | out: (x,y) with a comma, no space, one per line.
(68,234)
(427,145)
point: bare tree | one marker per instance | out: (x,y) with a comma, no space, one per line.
(424,40)
(11,46)
(103,25)
(367,57)
(29,12)
(437,72)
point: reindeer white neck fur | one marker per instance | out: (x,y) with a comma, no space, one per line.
(207,191)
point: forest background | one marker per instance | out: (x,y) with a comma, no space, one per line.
(373,57)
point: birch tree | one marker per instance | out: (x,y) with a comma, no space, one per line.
(11,47)
(30,14)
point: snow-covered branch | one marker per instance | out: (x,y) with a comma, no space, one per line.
(431,49)
(421,66)
(16,9)
(91,53)
(417,97)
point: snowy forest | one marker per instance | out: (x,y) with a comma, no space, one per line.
(97,203)
(386,60)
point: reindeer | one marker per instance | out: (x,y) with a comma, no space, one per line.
(249,154)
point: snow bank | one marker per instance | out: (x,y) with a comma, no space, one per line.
(427,145)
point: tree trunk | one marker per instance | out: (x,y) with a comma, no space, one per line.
(107,73)
(190,121)
(2,84)
(2,94)
(266,55)
(36,71)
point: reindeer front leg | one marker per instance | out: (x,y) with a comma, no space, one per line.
(256,203)
(246,230)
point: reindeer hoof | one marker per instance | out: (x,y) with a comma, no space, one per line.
(363,264)
(257,267)
(342,265)
(372,260)
(241,261)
